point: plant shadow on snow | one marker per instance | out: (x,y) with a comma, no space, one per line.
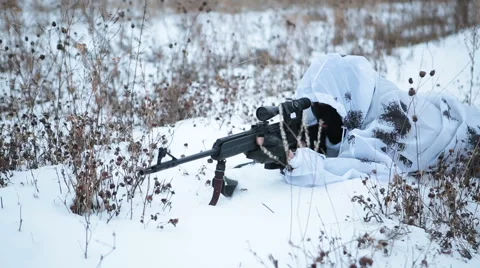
(85,86)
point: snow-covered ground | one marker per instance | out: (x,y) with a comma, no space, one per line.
(267,220)
(265,216)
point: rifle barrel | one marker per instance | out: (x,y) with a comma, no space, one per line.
(176,162)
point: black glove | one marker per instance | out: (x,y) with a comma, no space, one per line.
(272,144)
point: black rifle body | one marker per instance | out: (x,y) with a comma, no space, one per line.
(232,145)
(223,148)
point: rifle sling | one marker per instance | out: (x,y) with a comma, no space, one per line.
(218,182)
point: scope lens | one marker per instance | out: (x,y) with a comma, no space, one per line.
(266,112)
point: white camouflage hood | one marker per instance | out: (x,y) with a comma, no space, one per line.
(346,83)
(381,133)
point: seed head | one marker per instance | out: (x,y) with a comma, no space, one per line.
(411,92)
(410,80)
(364,261)
(422,74)
(174,222)
(414,118)
(432,72)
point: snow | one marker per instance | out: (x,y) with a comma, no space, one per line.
(449,57)
(265,217)
(220,236)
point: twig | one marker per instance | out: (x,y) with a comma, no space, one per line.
(88,233)
(145,200)
(138,50)
(112,248)
(130,195)
(475,45)
(267,208)
(1,202)
(87,239)
(59,183)
(64,202)
(34,181)
(21,220)
(65,180)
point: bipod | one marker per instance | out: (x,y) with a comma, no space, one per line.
(221,184)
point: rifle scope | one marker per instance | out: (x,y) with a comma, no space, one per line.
(264,113)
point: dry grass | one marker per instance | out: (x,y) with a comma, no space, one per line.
(444,202)
(72,102)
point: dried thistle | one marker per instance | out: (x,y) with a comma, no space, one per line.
(411,92)
(364,261)
(174,222)
(267,152)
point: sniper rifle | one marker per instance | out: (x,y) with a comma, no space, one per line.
(225,147)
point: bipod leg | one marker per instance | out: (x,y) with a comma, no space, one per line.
(221,185)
